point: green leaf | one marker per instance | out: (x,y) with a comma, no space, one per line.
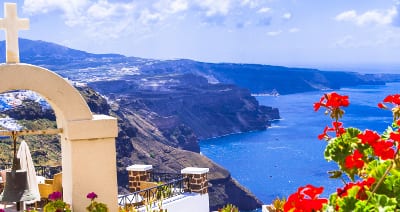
(352,132)
(376,169)
(347,204)
(380,202)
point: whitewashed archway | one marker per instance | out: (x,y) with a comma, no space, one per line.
(87,141)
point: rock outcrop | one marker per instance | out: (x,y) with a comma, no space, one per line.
(188,100)
(148,145)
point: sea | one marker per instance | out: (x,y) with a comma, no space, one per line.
(275,162)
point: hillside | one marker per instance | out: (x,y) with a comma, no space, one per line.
(210,110)
(86,67)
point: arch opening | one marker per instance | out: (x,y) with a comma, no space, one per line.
(87,141)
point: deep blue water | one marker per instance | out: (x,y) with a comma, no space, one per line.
(275,162)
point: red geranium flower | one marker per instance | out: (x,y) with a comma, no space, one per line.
(354,160)
(323,134)
(332,101)
(337,127)
(395,136)
(369,137)
(335,100)
(361,194)
(317,105)
(394,99)
(305,199)
(384,149)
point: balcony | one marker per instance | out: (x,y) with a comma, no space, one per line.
(172,192)
(154,191)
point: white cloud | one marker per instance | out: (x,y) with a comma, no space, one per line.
(215,7)
(104,10)
(114,18)
(294,29)
(372,17)
(72,9)
(100,19)
(274,33)
(346,16)
(264,10)
(171,6)
(44,6)
(251,3)
(147,17)
(287,16)
(179,5)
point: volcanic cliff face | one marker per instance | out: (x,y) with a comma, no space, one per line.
(160,118)
(140,140)
(147,145)
(188,100)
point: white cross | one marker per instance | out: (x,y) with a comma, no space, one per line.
(11,24)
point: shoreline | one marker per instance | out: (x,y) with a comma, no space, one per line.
(238,133)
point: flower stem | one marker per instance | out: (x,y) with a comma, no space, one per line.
(381,179)
(384,175)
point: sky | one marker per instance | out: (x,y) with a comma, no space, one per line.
(354,35)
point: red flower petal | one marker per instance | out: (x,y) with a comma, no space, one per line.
(382,106)
(394,99)
(395,136)
(305,199)
(354,160)
(369,137)
(317,105)
(384,149)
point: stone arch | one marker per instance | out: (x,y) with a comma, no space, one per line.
(66,101)
(87,140)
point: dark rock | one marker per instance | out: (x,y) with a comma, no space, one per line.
(210,110)
(30,110)
(228,190)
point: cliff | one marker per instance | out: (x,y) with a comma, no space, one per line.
(147,144)
(210,110)
(170,145)
(163,122)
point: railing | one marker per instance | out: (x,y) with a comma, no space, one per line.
(164,177)
(152,196)
(45,171)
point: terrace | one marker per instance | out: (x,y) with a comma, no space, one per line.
(173,192)
(149,190)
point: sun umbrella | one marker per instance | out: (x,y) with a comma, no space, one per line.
(26,162)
